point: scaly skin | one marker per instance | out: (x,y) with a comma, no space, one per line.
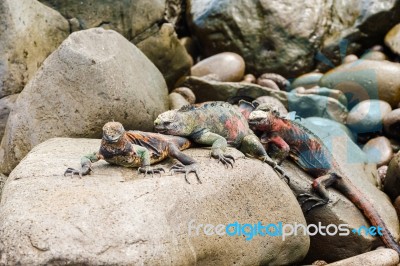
(309,152)
(215,124)
(138,149)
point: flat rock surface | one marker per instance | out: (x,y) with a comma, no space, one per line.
(115,216)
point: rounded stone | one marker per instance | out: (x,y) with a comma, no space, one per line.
(382,170)
(350,58)
(392,39)
(331,126)
(367,116)
(176,101)
(307,81)
(249,78)
(186,93)
(227,66)
(392,179)
(364,80)
(268,83)
(374,55)
(274,102)
(378,150)
(391,124)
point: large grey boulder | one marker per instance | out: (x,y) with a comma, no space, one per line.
(286,36)
(115,216)
(6,105)
(95,76)
(143,22)
(29,32)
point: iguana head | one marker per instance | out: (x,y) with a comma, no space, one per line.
(261,120)
(174,122)
(112,132)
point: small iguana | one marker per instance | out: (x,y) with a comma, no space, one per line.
(138,149)
(215,124)
(309,152)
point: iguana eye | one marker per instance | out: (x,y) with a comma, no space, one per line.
(167,123)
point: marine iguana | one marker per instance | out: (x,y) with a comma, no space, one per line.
(215,124)
(138,149)
(309,152)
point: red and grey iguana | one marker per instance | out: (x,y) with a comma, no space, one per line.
(215,124)
(138,149)
(309,152)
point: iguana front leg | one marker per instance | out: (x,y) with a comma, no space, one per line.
(218,146)
(86,165)
(280,143)
(252,146)
(187,164)
(144,156)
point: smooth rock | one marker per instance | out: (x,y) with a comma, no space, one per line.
(332,126)
(391,124)
(186,93)
(374,55)
(378,150)
(307,80)
(392,39)
(95,76)
(227,66)
(116,217)
(190,46)
(392,179)
(353,163)
(249,78)
(335,94)
(279,80)
(268,84)
(167,53)
(176,101)
(365,80)
(6,105)
(382,170)
(304,105)
(381,257)
(367,116)
(349,58)
(274,36)
(274,102)
(29,32)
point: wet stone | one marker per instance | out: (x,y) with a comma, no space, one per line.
(367,116)
(307,81)
(227,66)
(378,150)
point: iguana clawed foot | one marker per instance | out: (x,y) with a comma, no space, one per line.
(309,197)
(71,171)
(277,168)
(225,159)
(150,170)
(186,169)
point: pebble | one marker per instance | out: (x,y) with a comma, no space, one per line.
(186,93)
(176,101)
(378,150)
(391,124)
(249,78)
(367,116)
(336,94)
(350,58)
(392,39)
(364,80)
(382,257)
(227,66)
(279,80)
(274,102)
(331,126)
(307,80)
(374,55)
(268,83)
(382,173)
(392,179)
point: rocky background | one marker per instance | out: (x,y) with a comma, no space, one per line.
(68,67)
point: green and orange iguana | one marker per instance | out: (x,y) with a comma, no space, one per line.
(309,152)
(138,149)
(215,124)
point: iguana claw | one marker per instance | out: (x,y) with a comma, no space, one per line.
(81,173)
(149,170)
(225,159)
(277,168)
(310,197)
(186,169)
